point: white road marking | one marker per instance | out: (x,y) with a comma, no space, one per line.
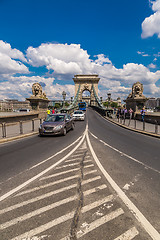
(72,160)
(126,155)
(47,208)
(6,195)
(56,153)
(71,164)
(67,165)
(59,173)
(46,195)
(139,216)
(97,223)
(60,220)
(128,235)
(89,172)
(62,173)
(46,186)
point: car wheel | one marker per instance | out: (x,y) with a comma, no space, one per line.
(64,131)
(73,126)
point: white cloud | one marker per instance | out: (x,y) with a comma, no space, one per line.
(143,54)
(8,64)
(66,61)
(5,48)
(151,65)
(62,58)
(21,88)
(151,24)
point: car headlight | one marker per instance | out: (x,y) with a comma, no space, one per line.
(58,127)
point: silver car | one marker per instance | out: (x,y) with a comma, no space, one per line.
(78,115)
(56,124)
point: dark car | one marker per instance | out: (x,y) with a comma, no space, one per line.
(56,124)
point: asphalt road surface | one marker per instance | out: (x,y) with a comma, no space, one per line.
(99,182)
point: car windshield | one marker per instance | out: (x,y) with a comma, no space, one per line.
(78,112)
(55,118)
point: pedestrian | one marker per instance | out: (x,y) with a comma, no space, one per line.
(53,111)
(142,114)
(48,111)
(125,112)
(118,113)
(121,113)
(130,113)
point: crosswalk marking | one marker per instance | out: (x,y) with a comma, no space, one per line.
(56,221)
(47,208)
(128,235)
(46,195)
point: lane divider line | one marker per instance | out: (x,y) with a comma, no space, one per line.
(56,153)
(135,211)
(126,155)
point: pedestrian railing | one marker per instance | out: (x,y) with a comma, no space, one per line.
(19,128)
(138,125)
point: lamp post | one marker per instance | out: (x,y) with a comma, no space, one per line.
(64,97)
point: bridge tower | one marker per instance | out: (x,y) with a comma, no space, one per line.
(86,83)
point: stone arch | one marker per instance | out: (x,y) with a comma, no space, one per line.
(86,83)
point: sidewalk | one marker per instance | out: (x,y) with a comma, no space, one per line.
(138,126)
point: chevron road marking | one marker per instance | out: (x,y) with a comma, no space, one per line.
(6,195)
(61,219)
(128,235)
(46,195)
(61,173)
(48,185)
(97,223)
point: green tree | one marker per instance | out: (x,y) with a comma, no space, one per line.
(66,104)
(114,104)
(57,105)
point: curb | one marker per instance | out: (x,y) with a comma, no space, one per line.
(132,129)
(4,140)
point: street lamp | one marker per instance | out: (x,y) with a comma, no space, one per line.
(64,97)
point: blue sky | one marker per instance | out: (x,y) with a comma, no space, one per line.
(51,41)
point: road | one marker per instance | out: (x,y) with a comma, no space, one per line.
(98,182)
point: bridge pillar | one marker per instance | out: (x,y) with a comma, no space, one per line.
(86,82)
